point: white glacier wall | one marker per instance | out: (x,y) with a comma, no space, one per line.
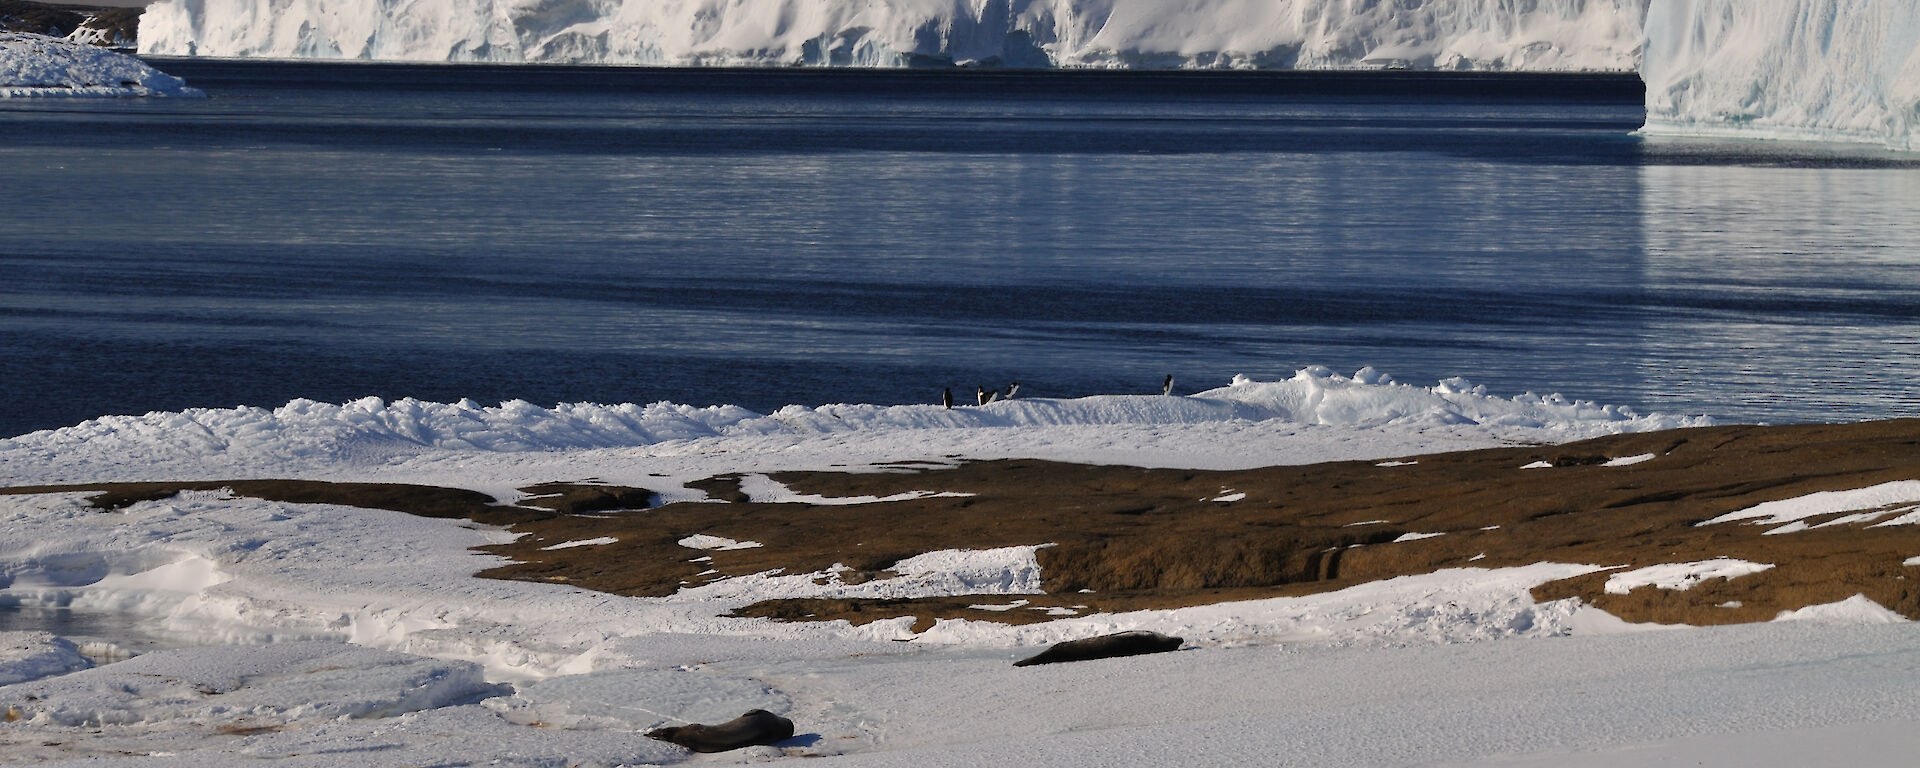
(1818,70)
(1540,35)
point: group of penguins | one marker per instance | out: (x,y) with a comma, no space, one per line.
(982,395)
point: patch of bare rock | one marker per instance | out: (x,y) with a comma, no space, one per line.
(1127,538)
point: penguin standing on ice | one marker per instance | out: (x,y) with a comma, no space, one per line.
(980,395)
(1012,388)
(1166,387)
(946,398)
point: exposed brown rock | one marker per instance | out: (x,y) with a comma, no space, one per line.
(1154,538)
(1128,538)
(553,499)
(583,498)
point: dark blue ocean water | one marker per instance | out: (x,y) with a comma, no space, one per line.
(773,237)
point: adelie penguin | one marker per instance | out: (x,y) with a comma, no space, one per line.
(946,398)
(1011,389)
(1166,387)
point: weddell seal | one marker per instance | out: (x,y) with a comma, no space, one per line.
(1104,647)
(754,728)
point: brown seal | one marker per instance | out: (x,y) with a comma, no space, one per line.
(754,728)
(1104,647)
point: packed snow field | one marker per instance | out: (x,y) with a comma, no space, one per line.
(313,633)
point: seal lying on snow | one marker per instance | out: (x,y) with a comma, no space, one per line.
(756,727)
(1104,647)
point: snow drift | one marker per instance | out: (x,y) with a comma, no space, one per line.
(1307,34)
(37,65)
(1819,70)
(304,429)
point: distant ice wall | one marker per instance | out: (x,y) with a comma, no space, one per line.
(1417,34)
(1821,70)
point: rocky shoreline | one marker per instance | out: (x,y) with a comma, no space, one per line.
(108,27)
(1125,538)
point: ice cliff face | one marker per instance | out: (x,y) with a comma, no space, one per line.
(1825,70)
(1845,70)
(1417,34)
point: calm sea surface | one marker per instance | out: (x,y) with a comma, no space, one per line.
(763,238)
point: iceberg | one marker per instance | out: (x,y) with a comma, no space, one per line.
(1532,35)
(38,65)
(1808,70)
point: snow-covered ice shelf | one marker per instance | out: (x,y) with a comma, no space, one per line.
(1306,34)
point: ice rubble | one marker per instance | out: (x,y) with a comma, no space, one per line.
(37,65)
(1368,406)
(1418,34)
(1817,70)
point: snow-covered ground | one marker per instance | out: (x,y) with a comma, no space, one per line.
(315,634)
(1810,70)
(1306,34)
(37,65)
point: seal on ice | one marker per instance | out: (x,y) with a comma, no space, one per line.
(1115,645)
(754,728)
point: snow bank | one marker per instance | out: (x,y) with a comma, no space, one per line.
(312,704)
(1453,605)
(999,571)
(37,65)
(373,431)
(273,685)
(33,655)
(1822,70)
(1858,609)
(1417,34)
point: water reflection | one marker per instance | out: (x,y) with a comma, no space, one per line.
(298,237)
(1789,290)
(101,635)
